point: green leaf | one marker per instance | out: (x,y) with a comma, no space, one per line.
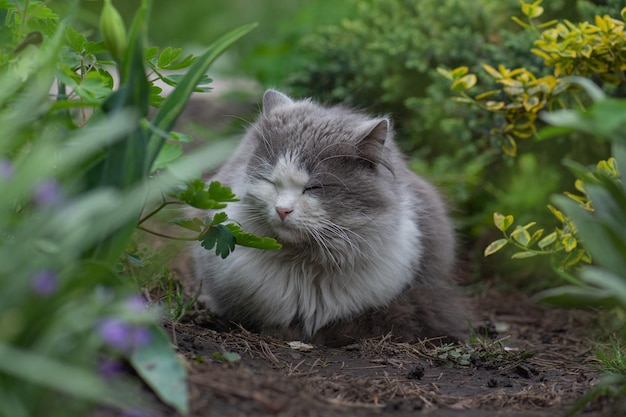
(219,237)
(201,87)
(194,224)
(252,241)
(606,280)
(495,246)
(75,40)
(219,218)
(183,63)
(569,243)
(196,195)
(464,83)
(92,48)
(520,22)
(180,137)
(524,255)
(221,193)
(444,73)
(503,222)
(547,241)
(168,154)
(521,236)
(535,237)
(509,146)
(459,72)
(159,366)
(168,55)
(576,297)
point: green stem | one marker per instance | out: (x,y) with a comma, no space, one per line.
(152,232)
(163,204)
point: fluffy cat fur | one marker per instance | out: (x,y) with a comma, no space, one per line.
(368,248)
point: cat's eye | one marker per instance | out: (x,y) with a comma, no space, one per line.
(313,189)
(269,181)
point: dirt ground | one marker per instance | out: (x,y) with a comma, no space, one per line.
(538,364)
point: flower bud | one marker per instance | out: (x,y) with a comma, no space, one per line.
(113,30)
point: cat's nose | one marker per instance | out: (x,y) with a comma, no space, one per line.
(283,212)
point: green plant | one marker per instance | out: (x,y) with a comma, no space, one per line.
(586,49)
(597,222)
(588,250)
(77,169)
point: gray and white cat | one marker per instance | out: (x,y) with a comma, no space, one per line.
(368,248)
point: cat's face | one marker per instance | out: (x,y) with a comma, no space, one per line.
(315,176)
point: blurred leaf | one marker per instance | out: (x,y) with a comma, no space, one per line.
(521,236)
(159,366)
(464,83)
(180,137)
(197,195)
(605,243)
(194,224)
(169,152)
(75,40)
(38,369)
(569,242)
(524,255)
(595,92)
(221,193)
(459,72)
(495,74)
(520,22)
(503,222)
(92,48)
(547,240)
(608,281)
(576,297)
(168,55)
(444,73)
(495,246)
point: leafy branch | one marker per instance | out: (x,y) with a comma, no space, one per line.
(217,232)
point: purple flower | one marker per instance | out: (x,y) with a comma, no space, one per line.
(47,192)
(119,335)
(136,303)
(45,283)
(116,333)
(6,169)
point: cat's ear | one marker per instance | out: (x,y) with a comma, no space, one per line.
(273,99)
(373,137)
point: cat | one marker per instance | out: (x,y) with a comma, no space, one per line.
(367,246)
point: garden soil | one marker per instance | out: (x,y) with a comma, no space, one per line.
(538,364)
(534,362)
